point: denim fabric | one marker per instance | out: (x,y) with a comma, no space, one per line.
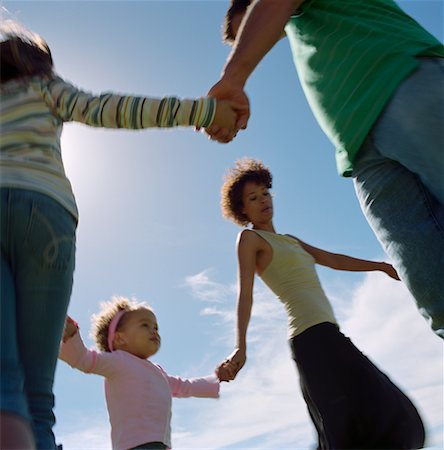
(399,180)
(37,265)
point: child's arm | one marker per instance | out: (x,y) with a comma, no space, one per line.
(111,110)
(193,387)
(345,262)
(74,352)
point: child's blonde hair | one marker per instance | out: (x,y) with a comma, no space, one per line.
(102,320)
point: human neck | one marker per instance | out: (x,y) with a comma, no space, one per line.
(264,227)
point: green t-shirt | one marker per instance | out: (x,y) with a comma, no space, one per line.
(351,55)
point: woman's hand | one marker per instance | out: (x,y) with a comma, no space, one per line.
(228,369)
(390,271)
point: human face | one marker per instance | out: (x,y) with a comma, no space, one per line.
(257,204)
(139,334)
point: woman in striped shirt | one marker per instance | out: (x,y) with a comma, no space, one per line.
(39,216)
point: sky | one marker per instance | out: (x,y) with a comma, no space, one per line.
(150,227)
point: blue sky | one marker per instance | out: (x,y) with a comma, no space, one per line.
(150,226)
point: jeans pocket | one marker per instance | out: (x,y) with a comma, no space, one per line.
(50,236)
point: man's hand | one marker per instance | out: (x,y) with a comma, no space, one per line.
(223,90)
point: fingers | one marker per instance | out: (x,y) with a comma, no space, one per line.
(222,135)
(227,370)
(223,374)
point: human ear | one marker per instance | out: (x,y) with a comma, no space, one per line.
(119,339)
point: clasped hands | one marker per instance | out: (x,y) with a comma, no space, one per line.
(232,111)
(229,368)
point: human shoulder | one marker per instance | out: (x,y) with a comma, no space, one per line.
(247,236)
(249,242)
(292,237)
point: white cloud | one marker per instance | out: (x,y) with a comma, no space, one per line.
(205,289)
(86,433)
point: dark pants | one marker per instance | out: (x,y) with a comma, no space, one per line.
(151,446)
(352,404)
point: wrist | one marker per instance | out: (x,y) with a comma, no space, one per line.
(241,348)
(234,77)
(382,266)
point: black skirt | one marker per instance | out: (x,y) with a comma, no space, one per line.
(352,404)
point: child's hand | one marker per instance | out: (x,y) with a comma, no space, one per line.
(71,328)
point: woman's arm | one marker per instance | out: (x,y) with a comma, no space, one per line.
(112,110)
(344,262)
(247,248)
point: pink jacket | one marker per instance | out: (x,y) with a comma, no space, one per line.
(138,392)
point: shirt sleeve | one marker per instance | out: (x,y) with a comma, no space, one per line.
(74,352)
(110,110)
(194,387)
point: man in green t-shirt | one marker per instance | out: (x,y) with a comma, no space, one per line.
(374,79)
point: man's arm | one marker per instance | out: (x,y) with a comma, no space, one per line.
(261,28)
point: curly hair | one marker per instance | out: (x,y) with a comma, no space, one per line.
(245,170)
(102,320)
(236,7)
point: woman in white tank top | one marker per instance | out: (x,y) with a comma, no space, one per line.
(352,404)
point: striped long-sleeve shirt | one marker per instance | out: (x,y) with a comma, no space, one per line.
(32,114)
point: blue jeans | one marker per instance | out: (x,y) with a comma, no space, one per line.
(399,180)
(38,251)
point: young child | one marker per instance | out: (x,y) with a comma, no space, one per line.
(138,392)
(39,215)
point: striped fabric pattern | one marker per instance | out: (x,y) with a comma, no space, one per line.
(32,115)
(351,55)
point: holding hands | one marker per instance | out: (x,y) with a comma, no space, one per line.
(232,111)
(71,328)
(228,369)
(235,95)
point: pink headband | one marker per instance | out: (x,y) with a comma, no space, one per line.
(112,328)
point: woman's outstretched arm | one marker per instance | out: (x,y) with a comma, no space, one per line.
(344,262)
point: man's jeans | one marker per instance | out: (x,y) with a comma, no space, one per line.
(38,251)
(399,180)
